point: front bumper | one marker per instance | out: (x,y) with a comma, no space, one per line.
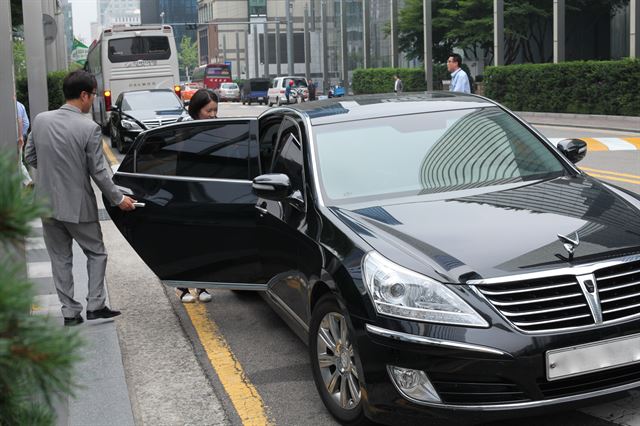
(479,374)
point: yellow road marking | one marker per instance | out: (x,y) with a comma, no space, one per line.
(241,391)
(617,179)
(634,141)
(111,158)
(607,172)
(595,145)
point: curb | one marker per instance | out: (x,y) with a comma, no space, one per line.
(586,121)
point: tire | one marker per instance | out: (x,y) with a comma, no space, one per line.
(337,381)
(278,102)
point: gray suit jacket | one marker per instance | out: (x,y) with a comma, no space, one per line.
(66,149)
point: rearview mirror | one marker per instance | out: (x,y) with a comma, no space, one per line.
(574,149)
(275,186)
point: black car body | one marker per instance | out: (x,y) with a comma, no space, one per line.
(440,257)
(140,110)
(255,90)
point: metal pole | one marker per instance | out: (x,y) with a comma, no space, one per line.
(366,34)
(313,15)
(428,43)
(289,38)
(36,65)
(343,42)
(325,55)
(8,113)
(307,46)
(256,50)
(634,30)
(238,55)
(224,47)
(394,33)
(558,31)
(278,48)
(266,50)
(246,54)
(498,32)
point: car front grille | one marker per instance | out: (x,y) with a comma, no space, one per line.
(559,302)
(454,389)
(150,124)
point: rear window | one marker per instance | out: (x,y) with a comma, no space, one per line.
(148,100)
(139,48)
(218,72)
(229,85)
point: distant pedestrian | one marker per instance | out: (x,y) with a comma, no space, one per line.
(398,87)
(459,78)
(288,89)
(23,129)
(203,105)
(66,149)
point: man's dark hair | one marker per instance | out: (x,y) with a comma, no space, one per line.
(77,82)
(199,100)
(456,58)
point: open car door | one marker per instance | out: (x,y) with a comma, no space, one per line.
(196,226)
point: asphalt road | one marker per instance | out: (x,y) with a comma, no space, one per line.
(276,362)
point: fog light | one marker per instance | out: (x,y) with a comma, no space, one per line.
(413,384)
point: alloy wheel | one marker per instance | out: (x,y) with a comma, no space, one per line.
(336,361)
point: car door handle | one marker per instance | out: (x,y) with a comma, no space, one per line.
(262,208)
(138,205)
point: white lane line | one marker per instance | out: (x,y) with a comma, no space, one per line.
(35,243)
(617,144)
(39,269)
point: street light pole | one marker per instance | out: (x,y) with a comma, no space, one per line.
(266,50)
(498,32)
(558,31)
(325,56)
(366,34)
(278,47)
(394,33)
(428,43)
(307,47)
(343,42)
(634,27)
(288,6)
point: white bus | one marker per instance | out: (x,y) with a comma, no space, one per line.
(126,58)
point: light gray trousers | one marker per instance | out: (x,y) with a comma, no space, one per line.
(58,238)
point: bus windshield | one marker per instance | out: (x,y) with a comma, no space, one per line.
(139,48)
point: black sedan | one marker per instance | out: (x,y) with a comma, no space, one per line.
(439,256)
(141,110)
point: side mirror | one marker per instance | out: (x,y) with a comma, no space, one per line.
(114,108)
(574,149)
(275,186)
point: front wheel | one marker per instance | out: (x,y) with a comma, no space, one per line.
(334,363)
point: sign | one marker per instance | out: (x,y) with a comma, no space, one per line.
(79,52)
(228,63)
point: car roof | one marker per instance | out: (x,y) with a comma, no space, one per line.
(360,107)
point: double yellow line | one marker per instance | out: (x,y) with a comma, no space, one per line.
(111,158)
(608,175)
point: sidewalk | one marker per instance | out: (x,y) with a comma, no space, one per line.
(138,369)
(588,121)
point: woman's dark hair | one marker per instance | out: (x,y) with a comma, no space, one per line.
(456,58)
(199,100)
(77,82)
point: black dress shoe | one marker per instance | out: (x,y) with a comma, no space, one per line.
(102,313)
(70,321)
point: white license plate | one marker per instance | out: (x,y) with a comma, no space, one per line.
(583,359)
(261,98)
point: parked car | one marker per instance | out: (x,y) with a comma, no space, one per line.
(228,92)
(137,111)
(255,90)
(439,256)
(277,91)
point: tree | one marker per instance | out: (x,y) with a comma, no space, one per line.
(19,59)
(36,357)
(188,54)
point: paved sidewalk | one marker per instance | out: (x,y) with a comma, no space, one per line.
(588,121)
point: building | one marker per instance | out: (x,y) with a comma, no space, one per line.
(113,12)
(67,12)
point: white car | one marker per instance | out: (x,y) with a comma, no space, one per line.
(277,90)
(228,92)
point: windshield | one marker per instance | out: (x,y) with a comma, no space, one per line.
(428,153)
(150,100)
(139,48)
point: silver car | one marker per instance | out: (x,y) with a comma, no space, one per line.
(228,92)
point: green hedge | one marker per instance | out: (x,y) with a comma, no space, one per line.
(380,80)
(589,87)
(54,85)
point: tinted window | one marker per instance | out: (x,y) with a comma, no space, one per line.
(427,153)
(150,100)
(139,48)
(289,161)
(197,151)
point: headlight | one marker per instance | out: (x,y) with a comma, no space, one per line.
(130,125)
(399,292)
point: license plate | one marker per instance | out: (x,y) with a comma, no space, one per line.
(261,98)
(597,356)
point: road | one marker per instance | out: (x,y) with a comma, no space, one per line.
(275,362)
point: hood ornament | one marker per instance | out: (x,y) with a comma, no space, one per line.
(569,244)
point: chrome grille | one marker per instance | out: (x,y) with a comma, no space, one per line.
(150,124)
(540,304)
(619,290)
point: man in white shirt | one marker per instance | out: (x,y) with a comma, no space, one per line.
(459,78)
(398,87)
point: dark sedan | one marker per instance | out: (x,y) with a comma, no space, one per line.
(141,110)
(441,259)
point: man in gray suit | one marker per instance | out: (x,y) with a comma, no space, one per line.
(66,149)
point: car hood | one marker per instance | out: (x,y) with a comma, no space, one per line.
(151,114)
(491,233)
